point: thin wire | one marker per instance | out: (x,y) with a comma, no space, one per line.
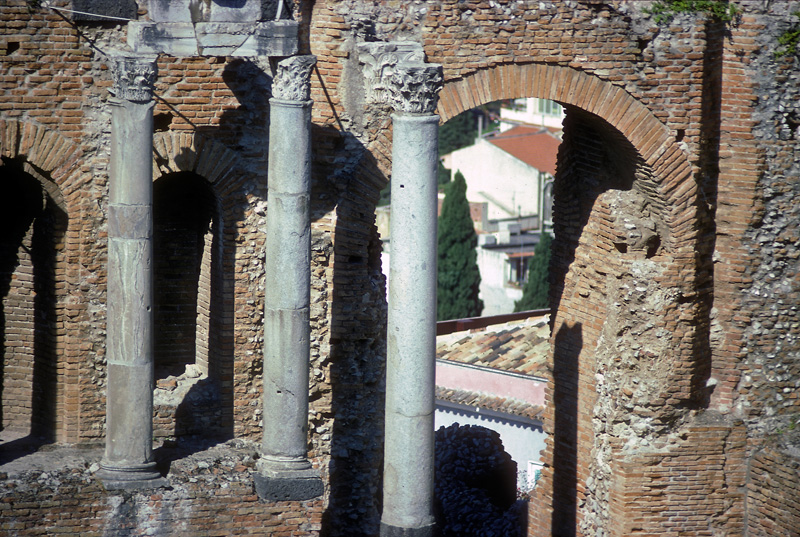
(91,14)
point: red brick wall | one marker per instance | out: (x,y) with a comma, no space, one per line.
(211,493)
(694,486)
(773,491)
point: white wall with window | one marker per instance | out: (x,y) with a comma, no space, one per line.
(532,111)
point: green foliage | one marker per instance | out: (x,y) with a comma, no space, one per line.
(535,294)
(386,195)
(458,276)
(664,11)
(789,40)
(442,175)
(458,132)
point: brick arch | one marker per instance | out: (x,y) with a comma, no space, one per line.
(48,152)
(587,323)
(175,152)
(651,138)
(54,161)
(194,152)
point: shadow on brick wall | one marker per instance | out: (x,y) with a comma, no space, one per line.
(357,325)
(32,223)
(568,344)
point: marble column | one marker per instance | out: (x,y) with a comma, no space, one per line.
(284,471)
(411,336)
(128,460)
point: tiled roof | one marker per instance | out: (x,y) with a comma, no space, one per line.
(517,346)
(534,146)
(508,405)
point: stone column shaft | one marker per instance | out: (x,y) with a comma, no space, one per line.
(287,286)
(129,344)
(411,330)
(285,473)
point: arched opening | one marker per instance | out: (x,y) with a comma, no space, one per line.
(32,224)
(507,158)
(186,286)
(623,205)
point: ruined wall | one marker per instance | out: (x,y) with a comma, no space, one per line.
(674,276)
(211,494)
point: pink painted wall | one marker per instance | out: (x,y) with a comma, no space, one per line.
(459,377)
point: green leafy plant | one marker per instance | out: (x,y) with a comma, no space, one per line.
(458,275)
(535,293)
(789,40)
(664,11)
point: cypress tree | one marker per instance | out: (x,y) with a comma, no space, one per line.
(458,276)
(535,293)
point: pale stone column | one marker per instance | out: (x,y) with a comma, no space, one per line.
(128,460)
(284,471)
(411,337)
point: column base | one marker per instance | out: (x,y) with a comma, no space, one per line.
(396,531)
(285,478)
(135,477)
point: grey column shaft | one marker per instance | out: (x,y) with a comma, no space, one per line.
(411,336)
(129,411)
(288,280)
(284,471)
(129,341)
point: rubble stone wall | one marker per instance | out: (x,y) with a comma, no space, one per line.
(211,493)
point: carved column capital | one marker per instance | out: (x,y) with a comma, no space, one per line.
(415,87)
(379,62)
(292,80)
(134,77)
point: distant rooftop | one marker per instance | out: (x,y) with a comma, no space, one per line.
(519,346)
(535,146)
(506,405)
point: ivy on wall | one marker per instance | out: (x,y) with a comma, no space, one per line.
(789,39)
(664,11)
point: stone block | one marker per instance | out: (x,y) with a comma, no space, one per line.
(93,10)
(278,489)
(277,38)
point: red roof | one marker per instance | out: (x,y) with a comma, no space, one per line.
(534,146)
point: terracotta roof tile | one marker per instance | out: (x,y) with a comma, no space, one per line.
(534,146)
(517,346)
(507,405)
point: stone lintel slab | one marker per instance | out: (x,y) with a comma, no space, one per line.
(275,38)
(185,11)
(388,530)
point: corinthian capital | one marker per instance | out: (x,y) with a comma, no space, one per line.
(379,62)
(415,86)
(292,80)
(134,77)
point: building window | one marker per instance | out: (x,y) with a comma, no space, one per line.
(546,180)
(549,108)
(517,271)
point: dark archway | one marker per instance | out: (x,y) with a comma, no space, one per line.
(186,235)
(32,224)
